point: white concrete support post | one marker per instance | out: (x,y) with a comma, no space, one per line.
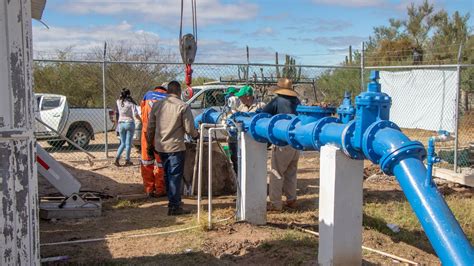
(340,208)
(252,199)
(19,237)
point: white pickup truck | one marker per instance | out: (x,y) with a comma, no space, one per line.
(78,124)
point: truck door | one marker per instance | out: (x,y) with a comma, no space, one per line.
(53,111)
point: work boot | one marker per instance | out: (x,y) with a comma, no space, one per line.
(177,211)
(291,204)
(128,163)
(151,195)
(160,194)
(273,208)
(116,162)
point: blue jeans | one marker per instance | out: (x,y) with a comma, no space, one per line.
(126,130)
(174,168)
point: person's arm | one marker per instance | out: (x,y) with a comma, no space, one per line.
(135,111)
(260,106)
(188,122)
(150,130)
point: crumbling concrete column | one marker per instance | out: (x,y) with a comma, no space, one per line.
(19,240)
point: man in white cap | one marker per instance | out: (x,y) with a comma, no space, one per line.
(284,163)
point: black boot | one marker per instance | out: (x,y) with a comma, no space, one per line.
(177,211)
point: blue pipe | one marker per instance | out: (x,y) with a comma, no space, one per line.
(210,116)
(370,135)
(439,223)
(309,119)
(331,133)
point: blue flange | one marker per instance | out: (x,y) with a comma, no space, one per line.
(369,136)
(253,123)
(271,125)
(409,149)
(347,147)
(290,135)
(318,128)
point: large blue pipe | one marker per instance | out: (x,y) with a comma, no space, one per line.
(370,135)
(439,223)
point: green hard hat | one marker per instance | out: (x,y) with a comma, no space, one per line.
(231,90)
(245,91)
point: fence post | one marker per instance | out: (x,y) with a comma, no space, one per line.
(104,65)
(248,65)
(458,92)
(362,67)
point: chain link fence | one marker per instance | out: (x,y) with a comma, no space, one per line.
(77,99)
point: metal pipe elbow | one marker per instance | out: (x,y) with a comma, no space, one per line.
(384,144)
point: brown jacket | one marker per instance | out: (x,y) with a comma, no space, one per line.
(169,120)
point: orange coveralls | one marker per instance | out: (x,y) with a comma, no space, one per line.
(151,168)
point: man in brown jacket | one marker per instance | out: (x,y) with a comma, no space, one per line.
(170,119)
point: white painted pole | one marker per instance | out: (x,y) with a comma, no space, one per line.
(340,208)
(209,181)
(199,192)
(253,197)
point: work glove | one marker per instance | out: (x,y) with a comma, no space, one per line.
(150,151)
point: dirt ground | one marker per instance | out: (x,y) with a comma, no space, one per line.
(232,243)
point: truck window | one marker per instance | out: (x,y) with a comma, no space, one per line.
(198,102)
(50,103)
(209,98)
(214,98)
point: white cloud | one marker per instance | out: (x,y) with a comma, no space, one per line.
(166,12)
(84,41)
(266,31)
(338,41)
(352,3)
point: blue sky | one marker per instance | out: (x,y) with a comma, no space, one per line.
(313,31)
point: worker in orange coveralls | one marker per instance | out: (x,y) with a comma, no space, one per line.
(151,168)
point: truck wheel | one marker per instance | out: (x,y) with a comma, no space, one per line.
(56,143)
(81,136)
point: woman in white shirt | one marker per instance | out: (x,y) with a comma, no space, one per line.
(128,111)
